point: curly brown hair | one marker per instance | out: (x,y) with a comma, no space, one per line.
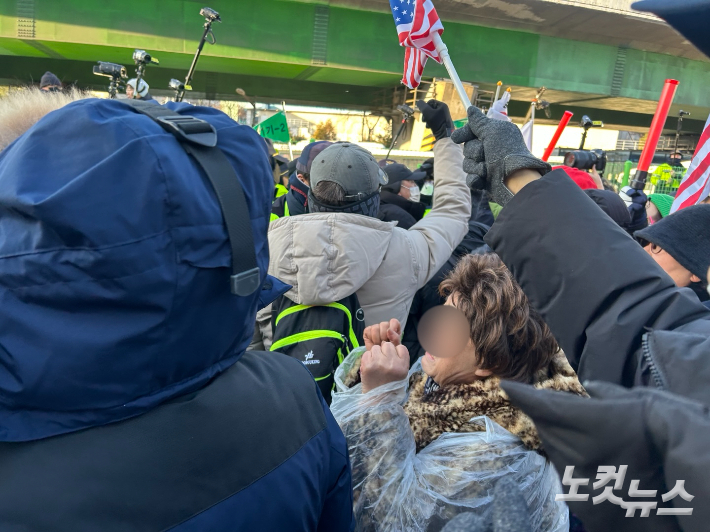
(509,336)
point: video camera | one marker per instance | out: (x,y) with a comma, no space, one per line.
(585,159)
(142,59)
(210,14)
(141,56)
(587,123)
(405,110)
(176,85)
(111,70)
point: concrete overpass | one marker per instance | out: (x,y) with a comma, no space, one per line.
(595,56)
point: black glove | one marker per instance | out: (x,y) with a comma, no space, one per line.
(637,208)
(437,117)
(428,167)
(494,150)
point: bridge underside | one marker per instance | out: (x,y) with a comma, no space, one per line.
(337,55)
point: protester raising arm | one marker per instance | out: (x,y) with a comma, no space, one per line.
(414,256)
(596,288)
(451,204)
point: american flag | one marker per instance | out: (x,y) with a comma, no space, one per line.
(696,183)
(416,21)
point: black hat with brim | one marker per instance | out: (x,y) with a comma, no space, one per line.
(396,173)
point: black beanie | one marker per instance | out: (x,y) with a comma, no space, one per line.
(685,236)
(49,80)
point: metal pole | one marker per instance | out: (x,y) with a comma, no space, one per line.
(532,127)
(191,72)
(679,129)
(139,76)
(399,131)
(290,149)
(446,58)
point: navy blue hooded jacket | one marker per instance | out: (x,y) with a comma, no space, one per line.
(126,399)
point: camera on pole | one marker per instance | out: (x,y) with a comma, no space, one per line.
(585,159)
(676,157)
(111,70)
(176,85)
(407,113)
(142,59)
(211,16)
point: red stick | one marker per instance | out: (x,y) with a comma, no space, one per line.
(659,120)
(553,143)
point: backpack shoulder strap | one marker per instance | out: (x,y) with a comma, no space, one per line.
(199,139)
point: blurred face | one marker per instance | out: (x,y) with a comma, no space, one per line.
(304,178)
(672,267)
(654,215)
(404,189)
(459,366)
(129,91)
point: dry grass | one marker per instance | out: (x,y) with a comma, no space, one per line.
(21,109)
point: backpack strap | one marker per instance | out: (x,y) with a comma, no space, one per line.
(199,139)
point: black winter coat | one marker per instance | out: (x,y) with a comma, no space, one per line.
(616,314)
(661,437)
(619,319)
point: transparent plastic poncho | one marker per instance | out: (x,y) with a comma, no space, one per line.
(397,489)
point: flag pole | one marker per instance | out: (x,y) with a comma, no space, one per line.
(532,119)
(446,58)
(290,149)
(499,86)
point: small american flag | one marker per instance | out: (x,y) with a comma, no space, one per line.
(416,22)
(696,183)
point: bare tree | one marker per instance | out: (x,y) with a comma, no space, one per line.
(370,127)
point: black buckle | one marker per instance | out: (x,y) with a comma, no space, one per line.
(245,283)
(191,129)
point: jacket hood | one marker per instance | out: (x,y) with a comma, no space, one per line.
(327,256)
(115,267)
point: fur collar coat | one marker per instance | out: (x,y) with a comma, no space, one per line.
(450,408)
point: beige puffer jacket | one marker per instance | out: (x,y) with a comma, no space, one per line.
(329,256)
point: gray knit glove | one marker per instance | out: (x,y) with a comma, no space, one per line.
(494,150)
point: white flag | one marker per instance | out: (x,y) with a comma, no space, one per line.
(527,131)
(499,109)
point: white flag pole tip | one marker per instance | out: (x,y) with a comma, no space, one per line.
(446,58)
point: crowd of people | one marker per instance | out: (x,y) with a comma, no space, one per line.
(197,334)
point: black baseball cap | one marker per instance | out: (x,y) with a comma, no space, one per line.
(396,173)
